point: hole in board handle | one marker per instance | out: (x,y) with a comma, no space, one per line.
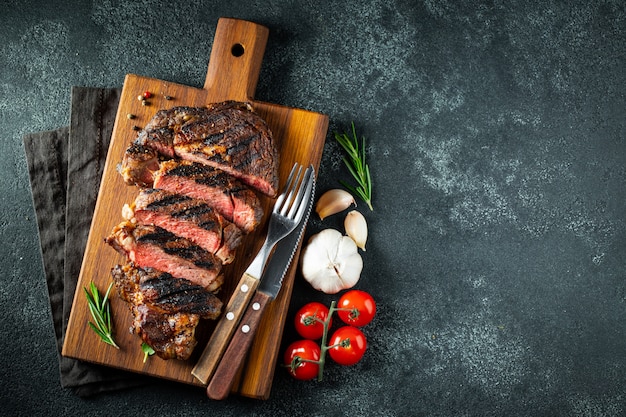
(237,50)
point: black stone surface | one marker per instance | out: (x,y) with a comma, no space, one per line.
(496,138)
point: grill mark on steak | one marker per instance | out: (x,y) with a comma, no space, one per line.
(227,195)
(229,136)
(164,292)
(153,247)
(190,218)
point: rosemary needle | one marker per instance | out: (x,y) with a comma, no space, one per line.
(355,161)
(101,313)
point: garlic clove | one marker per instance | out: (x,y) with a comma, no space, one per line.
(356,228)
(331,262)
(333,201)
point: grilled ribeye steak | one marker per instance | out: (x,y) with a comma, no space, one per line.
(190,218)
(149,246)
(166,310)
(232,199)
(229,136)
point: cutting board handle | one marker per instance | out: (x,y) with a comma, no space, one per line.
(236,57)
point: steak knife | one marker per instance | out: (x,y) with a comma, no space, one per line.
(270,284)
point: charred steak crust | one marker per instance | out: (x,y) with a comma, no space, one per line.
(172,336)
(228,135)
(169,331)
(138,165)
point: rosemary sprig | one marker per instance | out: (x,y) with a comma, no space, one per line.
(101,312)
(355,161)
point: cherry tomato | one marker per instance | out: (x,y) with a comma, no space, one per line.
(295,359)
(307,320)
(358,308)
(348,345)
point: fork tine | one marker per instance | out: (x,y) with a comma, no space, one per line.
(288,202)
(280,200)
(304,194)
(295,207)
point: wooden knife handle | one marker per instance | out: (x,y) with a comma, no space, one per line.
(227,370)
(225,328)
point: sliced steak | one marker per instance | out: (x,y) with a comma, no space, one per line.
(150,246)
(228,196)
(190,218)
(166,310)
(164,292)
(228,135)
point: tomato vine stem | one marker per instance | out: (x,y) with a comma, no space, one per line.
(324,348)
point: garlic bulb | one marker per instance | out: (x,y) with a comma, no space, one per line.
(331,262)
(356,228)
(333,201)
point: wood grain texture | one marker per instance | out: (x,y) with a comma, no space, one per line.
(299,135)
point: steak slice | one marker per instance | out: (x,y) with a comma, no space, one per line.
(228,196)
(190,218)
(163,292)
(228,135)
(150,246)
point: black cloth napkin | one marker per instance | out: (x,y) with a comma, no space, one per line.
(65,167)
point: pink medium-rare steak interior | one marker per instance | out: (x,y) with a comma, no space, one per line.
(190,218)
(152,247)
(227,195)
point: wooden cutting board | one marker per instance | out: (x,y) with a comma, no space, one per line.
(233,72)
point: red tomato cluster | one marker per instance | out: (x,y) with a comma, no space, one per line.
(346,346)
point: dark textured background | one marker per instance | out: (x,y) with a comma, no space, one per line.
(496,135)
